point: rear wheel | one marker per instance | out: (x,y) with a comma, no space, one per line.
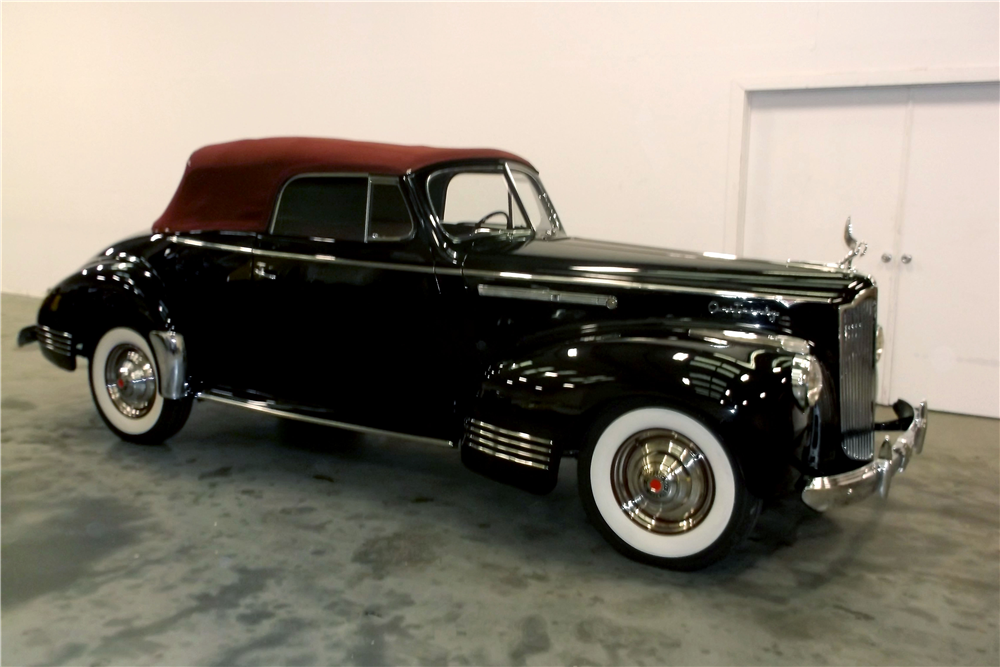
(662,488)
(124,384)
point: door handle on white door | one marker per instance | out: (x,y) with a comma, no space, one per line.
(886,257)
(906,259)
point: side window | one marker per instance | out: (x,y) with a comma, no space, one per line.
(390,220)
(329,207)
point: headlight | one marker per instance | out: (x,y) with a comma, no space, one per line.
(879,342)
(807,380)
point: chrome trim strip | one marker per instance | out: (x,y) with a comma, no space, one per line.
(828,267)
(184,240)
(58,349)
(541,294)
(330,259)
(503,275)
(58,339)
(517,195)
(487,442)
(622,284)
(48,339)
(480,433)
(497,429)
(57,342)
(171,358)
(791,344)
(265,407)
(507,457)
(368,208)
(850,487)
(54,332)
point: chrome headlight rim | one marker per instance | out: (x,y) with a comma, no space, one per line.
(807,380)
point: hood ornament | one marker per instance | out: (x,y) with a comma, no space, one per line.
(858,248)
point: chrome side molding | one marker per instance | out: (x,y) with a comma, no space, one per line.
(186,240)
(171,358)
(782,342)
(514,446)
(57,342)
(544,294)
(323,259)
(269,408)
(790,297)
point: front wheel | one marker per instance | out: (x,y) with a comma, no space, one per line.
(662,489)
(123,382)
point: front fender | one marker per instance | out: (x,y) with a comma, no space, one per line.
(739,388)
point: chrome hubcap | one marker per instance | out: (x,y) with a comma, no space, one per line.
(662,481)
(131,380)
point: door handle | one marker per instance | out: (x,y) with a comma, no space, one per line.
(886,257)
(260,270)
(906,259)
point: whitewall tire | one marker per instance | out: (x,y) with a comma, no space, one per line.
(124,384)
(663,489)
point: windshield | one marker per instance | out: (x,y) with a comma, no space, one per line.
(498,199)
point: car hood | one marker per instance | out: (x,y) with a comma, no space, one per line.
(610,264)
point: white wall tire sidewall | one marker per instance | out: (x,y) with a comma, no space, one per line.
(108,342)
(692,542)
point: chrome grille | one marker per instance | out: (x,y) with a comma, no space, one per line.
(857,376)
(511,446)
(58,342)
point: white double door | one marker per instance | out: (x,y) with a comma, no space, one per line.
(918,170)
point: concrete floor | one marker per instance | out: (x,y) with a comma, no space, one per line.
(249,540)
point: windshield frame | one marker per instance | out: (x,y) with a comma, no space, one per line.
(507,169)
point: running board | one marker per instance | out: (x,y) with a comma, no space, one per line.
(267,408)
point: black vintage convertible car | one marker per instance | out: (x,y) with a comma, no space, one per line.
(434,294)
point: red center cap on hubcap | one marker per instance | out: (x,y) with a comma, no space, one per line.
(655,485)
(121,383)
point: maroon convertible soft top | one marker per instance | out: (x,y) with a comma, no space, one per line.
(233,186)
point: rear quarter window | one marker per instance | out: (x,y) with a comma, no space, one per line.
(323,207)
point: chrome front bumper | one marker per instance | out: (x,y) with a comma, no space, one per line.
(851,487)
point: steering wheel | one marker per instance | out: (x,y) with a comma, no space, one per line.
(486,217)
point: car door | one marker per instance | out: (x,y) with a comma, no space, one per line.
(209,287)
(343,285)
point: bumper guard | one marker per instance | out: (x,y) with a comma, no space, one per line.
(850,487)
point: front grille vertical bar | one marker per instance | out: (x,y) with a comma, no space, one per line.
(857,376)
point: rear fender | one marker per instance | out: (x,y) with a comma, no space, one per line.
(106,292)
